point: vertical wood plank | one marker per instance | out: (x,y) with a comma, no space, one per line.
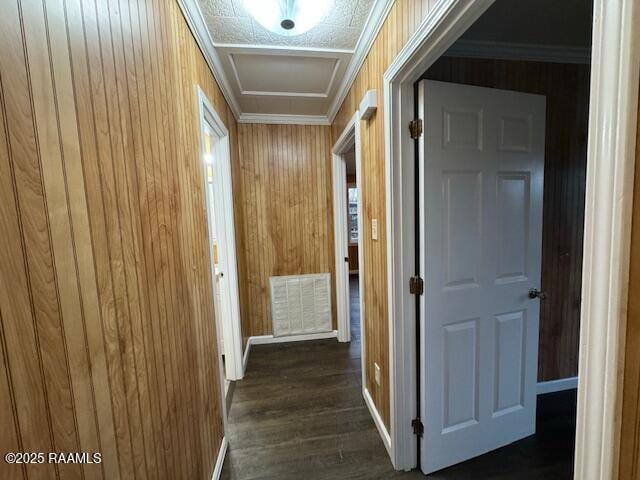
(9,441)
(49,104)
(24,369)
(107,342)
(38,334)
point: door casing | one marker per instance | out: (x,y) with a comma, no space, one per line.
(610,166)
(349,137)
(221,150)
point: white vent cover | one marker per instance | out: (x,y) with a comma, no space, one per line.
(300,304)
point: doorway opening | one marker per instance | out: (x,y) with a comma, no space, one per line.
(501,219)
(348,231)
(353,253)
(613,89)
(216,165)
(347,207)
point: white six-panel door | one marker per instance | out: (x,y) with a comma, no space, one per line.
(481,185)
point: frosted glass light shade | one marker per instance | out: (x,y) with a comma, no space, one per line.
(288,17)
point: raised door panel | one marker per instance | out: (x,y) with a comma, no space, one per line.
(460,395)
(462,229)
(512,201)
(509,374)
(462,129)
(515,133)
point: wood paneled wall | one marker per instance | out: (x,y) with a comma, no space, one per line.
(285,176)
(107,333)
(629,460)
(566,87)
(404,17)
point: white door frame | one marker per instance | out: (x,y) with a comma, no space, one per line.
(610,165)
(232,332)
(349,136)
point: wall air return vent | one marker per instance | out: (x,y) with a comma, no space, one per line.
(300,304)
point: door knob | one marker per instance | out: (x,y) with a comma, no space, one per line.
(535,293)
(346,259)
(221,274)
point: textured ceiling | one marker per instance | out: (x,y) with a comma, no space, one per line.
(230,23)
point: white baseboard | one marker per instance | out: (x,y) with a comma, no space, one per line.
(377,419)
(557,385)
(217,471)
(245,357)
(264,339)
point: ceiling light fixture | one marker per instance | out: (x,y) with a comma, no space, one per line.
(288,17)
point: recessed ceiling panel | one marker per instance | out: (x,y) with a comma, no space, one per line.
(284,106)
(284,75)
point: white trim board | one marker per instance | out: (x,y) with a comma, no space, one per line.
(217,471)
(286,119)
(265,339)
(519,51)
(230,321)
(245,357)
(611,156)
(280,49)
(350,136)
(559,385)
(377,419)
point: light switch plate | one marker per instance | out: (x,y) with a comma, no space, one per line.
(374,229)
(377,373)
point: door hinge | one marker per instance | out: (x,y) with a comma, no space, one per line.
(415,128)
(418,428)
(416,286)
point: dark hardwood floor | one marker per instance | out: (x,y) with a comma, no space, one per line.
(299,414)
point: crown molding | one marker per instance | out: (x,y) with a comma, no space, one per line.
(519,51)
(372,26)
(284,119)
(195,21)
(282,49)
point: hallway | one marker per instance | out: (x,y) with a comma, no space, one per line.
(320,239)
(299,414)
